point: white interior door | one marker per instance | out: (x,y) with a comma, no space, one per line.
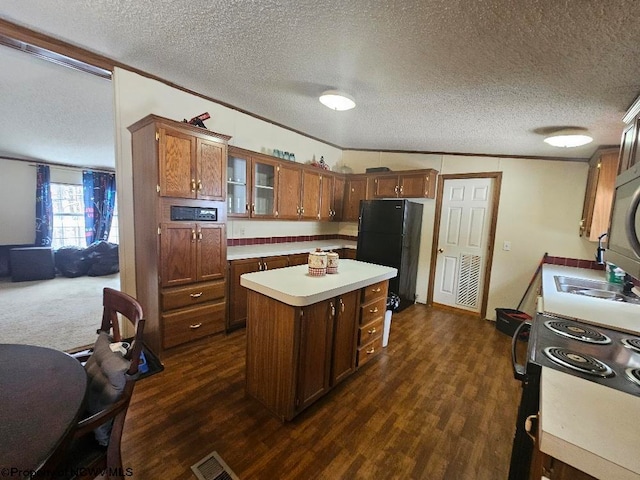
(463,243)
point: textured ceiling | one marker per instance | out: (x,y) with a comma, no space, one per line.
(480,77)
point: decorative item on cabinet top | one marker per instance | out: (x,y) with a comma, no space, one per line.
(199,120)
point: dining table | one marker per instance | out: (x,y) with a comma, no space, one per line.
(42,394)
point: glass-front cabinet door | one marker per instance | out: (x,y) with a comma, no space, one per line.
(264,188)
(237,186)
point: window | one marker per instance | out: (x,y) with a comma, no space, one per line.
(68,215)
(114,233)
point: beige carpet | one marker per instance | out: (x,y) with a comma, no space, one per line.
(62,313)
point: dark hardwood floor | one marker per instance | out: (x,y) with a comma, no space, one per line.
(439,403)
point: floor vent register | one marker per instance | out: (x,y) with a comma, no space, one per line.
(212,467)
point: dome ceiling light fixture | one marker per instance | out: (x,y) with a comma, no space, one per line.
(337,100)
(569,137)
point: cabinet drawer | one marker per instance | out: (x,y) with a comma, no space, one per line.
(370,350)
(187,324)
(376,290)
(192,294)
(372,310)
(368,332)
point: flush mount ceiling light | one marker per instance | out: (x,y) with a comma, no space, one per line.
(336,100)
(569,137)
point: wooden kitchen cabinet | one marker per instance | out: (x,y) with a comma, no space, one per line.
(289,191)
(251,185)
(237,305)
(345,330)
(339,182)
(596,210)
(190,166)
(356,190)
(327,212)
(406,184)
(314,350)
(180,264)
(298,259)
(311,194)
(372,311)
(191,252)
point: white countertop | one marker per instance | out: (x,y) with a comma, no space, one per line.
(289,248)
(589,426)
(606,313)
(293,286)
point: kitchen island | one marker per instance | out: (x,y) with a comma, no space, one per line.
(306,334)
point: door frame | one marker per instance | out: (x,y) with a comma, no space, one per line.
(495,201)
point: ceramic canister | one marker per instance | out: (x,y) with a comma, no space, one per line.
(317,263)
(332,262)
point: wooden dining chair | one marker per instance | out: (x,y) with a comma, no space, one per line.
(94,445)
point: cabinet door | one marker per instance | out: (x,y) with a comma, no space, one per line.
(414,186)
(177,253)
(356,191)
(211,251)
(176,151)
(238,186)
(316,336)
(326,197)
(628,146)
(344,337)
(386,186)
(210,167)
(338,197)
(288,195)
(263,196)
(311,195)
(298,259)
(279,261)
(237,293)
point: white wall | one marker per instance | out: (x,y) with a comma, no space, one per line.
(18,198)
(137,96)
(540,207)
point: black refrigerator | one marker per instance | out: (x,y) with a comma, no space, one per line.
(389,234)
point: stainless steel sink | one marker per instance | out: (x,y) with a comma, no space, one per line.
(594,289)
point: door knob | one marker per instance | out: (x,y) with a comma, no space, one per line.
(441,250)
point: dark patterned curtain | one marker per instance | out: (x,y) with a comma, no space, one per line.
(99,199)
(44,207)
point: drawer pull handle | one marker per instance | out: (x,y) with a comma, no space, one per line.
(195,295)
(376,290)
(370,351)
(197,325)
(375,310)
(372,331)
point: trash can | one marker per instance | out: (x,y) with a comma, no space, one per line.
(393,302)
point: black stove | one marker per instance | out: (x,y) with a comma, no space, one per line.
(596,354)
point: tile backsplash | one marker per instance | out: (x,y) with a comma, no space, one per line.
(234,242)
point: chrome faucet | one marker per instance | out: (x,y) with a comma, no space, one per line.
(600,250)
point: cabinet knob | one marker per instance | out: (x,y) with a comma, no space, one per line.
(198,325)
(376,290)
(370,350)
(341,305)
(193,235)
(199,185)
(195,295)
(375,310)
(333,309)
(193,184)
(372,331)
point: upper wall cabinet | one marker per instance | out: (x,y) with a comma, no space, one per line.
(251,185)
(596,211)
(190,166)
(406,184)
(629,152)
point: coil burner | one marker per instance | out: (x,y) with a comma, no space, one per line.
(569,329)
(579,362)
